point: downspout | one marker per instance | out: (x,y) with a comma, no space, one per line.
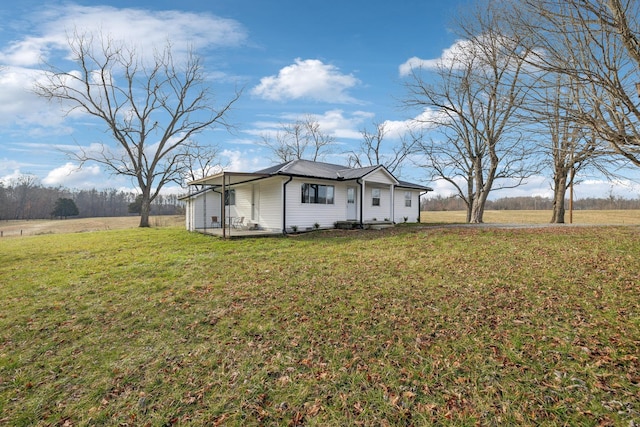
(359,181)
(224,207)
(419,202)
(392,188)
(189,212)
(284,205)
(204,211)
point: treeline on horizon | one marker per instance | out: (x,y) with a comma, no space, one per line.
(454,203)
(27,200)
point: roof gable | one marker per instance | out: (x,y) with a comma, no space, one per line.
(319,170)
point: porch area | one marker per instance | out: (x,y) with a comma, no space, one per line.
(237,233)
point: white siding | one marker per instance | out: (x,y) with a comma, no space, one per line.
(201,208)
(380,176)
(306,215)
(267,195)
(269,204)
(400,210)
(242,206)
(188,217)
(378,212)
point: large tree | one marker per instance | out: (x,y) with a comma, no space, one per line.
(475,97)
(595,43)
(566,146)
(152,109)
(64,208)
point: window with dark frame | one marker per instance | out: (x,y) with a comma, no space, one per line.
(375,197)
(318,194)
(229,197)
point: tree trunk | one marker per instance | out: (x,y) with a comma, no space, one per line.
(145,209)
(477,211)
(559,190)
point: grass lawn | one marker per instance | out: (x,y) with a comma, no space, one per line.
(408,326)
(585,217)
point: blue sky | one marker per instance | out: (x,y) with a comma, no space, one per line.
(339,61)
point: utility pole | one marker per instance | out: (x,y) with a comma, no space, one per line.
(573,172)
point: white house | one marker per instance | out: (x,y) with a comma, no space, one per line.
(301,195)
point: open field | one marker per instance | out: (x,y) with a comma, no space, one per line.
(588,217)
(36,227)
(406,326)
(80,225)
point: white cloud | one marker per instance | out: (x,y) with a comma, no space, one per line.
(335,123)
(48,40)
(536,186)
(540,186)
(449,58)
(146,29)
(70,176)
(9,171)
(308,79)
(399,128)
(19,105)
(603,188)
(240,161)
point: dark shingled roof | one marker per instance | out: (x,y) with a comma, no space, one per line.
(328,171)
(317,170)
(405,184)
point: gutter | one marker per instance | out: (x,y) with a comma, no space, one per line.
(284,205)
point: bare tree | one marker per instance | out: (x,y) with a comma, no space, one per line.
(596,43)
(375,150)
(302,139)
(475,102)
(25,185)
(200,161)
(150,110)
(567,146)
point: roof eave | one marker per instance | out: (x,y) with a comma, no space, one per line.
(211,180)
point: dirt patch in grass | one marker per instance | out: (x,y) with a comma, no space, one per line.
(80,225)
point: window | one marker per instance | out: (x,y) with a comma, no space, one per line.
(407,199)
(316,193)
(375,197)
(229,197)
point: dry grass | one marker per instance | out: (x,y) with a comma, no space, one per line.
(81,225)
(456,326)
(595,217)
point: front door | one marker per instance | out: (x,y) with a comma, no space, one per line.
(352,211)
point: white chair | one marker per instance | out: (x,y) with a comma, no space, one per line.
(238,222)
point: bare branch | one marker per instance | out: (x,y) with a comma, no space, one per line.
(477,97)
(302,139)
(150,110)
